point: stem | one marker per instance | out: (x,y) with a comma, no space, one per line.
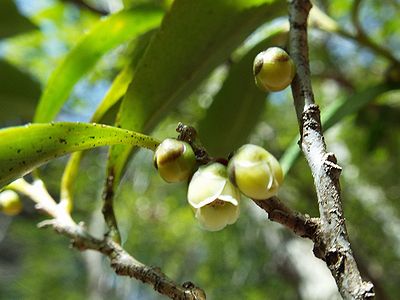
(332,243)
(122,263)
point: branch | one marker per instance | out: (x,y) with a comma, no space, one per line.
(120,260)
(299,224)
(332,245)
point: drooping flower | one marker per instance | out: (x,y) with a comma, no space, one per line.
(255,171)
(213,197)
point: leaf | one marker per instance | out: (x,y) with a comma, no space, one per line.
(17,103)
(113,95)
(333,114)
(194,38)
(11,21)
(107,34)
(24,148)
(238,105)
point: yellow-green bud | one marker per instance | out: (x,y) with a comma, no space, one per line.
(213,197)
(273,69)
(175,160)
(10,204)
(255,171)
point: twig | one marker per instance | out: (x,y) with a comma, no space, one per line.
(301,225)
(122,263)
(332,245)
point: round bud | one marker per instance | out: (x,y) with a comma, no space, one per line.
(175,160)
(273,69)
(255,171)
(10,204)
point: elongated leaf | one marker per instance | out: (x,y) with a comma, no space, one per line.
(24,148)
(238,106)
(114,94)
(194,38)
(334,114)
(107,34)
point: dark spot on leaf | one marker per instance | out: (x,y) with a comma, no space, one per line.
(19,150)
(62,141)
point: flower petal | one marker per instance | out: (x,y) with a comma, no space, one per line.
(214,218)
(204,188)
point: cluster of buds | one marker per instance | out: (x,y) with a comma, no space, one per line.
(214,189)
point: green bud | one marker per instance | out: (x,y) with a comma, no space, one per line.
(10,204)
(213,197)
(175,160)
(273,69)
(255,171)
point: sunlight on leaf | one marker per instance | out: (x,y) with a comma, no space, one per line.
(106,35)
(24,148)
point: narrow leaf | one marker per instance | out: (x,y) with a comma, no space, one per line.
(194,38)
(24,148)
(238,105)
(114,94)
(106,35)
(333,114)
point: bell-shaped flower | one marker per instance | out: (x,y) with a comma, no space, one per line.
(255,171)
(213,197)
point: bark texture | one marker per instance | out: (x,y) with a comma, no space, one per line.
(331,242)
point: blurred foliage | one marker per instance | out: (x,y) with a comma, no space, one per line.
(254,258)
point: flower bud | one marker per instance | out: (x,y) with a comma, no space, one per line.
(213,197)
(255,171)
(273,69)
(10,204)
(175,160)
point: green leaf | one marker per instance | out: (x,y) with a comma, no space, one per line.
(17,103)
(24,148)
(114,94)
(238,105)
(11,22)
(333,114)
(107,34)
(194,38)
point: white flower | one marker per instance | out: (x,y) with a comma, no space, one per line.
(213,197)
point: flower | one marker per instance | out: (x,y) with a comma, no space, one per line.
(213,197)
(273,69)
(174,160)
(255,171)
